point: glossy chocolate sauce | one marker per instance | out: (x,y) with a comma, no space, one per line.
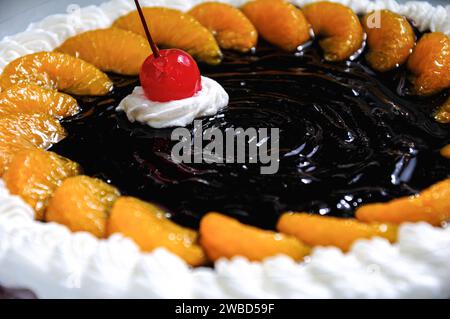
(348,136)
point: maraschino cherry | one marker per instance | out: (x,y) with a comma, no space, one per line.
(168,75)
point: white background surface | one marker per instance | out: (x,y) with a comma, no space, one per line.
(15,15)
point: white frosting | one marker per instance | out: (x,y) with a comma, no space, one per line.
(208,101)
(56,263)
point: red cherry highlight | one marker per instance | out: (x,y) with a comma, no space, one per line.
(174,75)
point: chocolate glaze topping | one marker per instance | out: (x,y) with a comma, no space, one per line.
(348,136)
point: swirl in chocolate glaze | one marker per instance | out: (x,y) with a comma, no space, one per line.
(348,136)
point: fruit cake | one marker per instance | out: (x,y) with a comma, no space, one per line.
(93,202)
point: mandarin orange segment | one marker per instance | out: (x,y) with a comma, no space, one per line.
(148,226)
(225,237)
(229,25)
(443,114)
(111,50)
(9,148)
(30,99)
(175,29)
(431,205)
(391,42)
(25,131)
(34,175)
(278,22)
(82,203)
(41,130)
(315,230)
(429,64)
(445,151)
(338,27)
(56,71)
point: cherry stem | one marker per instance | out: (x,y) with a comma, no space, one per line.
(147,31)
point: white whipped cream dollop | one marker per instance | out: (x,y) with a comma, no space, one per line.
(208,101)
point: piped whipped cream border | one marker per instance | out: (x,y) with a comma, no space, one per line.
(56,263)
(211,99)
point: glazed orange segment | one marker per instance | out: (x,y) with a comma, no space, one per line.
(111,50)
(278,22)
(31,99)
(82,203)
(41,130)
(431,205)
(175,29)
(445,151)
(429,64)
(25,131)
(338,27)
(391,42)
(7,151)
(56,71)
(148,226)
(225,237)
(443,114)
(229,25)
(34,174)
(316,230)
